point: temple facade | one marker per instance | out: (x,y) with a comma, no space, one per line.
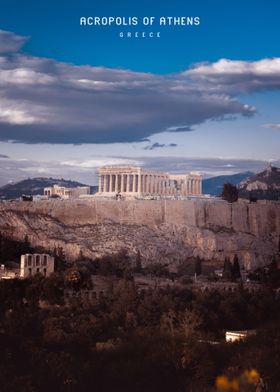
(66,193)
(32,264)
(137,182)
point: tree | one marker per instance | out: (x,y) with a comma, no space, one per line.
(138,264)
(189,323)
(26,245)
(252,198)
(236,268)
(197,266)
(230,192)
(227,270)
(60,259)
(73,280)
(52,289)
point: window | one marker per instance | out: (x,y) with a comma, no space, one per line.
(29,260)
(45,271)
(37,260)
(45,258)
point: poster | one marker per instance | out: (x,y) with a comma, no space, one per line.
(139,188)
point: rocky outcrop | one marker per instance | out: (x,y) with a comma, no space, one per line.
(264,185)
(166,231)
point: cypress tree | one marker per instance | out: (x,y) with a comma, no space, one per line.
(236,268)
(227,270)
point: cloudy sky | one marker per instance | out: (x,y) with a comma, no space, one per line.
(201,97)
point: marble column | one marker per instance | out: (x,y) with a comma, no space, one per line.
(127,183)
(122,183)
(139,188)
(117,183)
(152,183)
(111,183)
(173,188)
(99,183)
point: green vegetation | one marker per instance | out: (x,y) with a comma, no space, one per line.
(154,340)
(129,339)
(230,192)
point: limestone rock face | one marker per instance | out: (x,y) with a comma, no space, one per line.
(269,179)
(166,231)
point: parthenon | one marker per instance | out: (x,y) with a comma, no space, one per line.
(138,182)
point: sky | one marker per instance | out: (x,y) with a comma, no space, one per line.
(201,97)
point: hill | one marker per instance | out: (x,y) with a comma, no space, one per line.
(35,186)
(264,185)
(214,185)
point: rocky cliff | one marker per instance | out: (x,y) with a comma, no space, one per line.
(167,231)
(264,185)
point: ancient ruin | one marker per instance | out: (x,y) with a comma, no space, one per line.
(32,264)
(137,182)
(66,193)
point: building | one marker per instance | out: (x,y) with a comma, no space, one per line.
(66,193)
(139,182)
(237,336)
(32,264)
(8,273)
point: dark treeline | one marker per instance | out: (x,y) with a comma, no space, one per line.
(154,340)
(259,194)
(131,340)
(11,250)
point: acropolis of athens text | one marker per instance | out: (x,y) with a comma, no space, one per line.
(139,182)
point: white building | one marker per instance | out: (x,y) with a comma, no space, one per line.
(138,182)
(237,336)
(32,264)
(66,193)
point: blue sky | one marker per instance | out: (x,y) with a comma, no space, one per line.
(93,97)
(247,30)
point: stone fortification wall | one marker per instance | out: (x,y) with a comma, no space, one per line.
(259,219)
(161,229)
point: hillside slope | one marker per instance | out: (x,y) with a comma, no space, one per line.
(214,185)
(264,185)
(35,186)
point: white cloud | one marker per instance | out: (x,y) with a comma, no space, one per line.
(85,171)
(238,76)
(273,126)
(10,42)
(43,100)
(94,163)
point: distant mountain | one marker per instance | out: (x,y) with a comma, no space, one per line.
(214,185)
(35,186)
(264,185)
